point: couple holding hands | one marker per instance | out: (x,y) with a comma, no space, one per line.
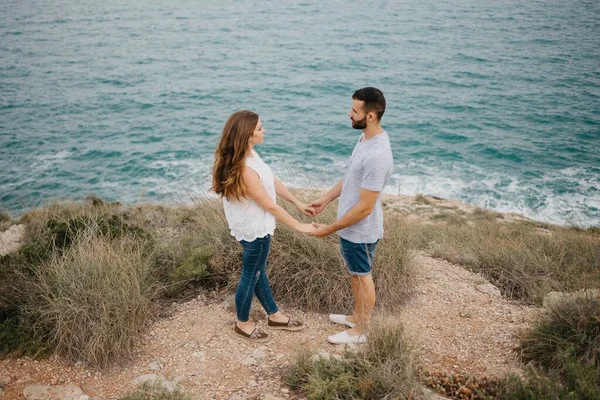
(249,191)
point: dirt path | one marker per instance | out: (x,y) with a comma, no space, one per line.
(456,328)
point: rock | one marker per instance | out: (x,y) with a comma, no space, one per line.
(259,354)
(154,380)
(155,366)
(553,298)
(270,396)
(489,289)
(431,395)
(237,397)
(45,392)
(10,239)
(322,355)
(248,361)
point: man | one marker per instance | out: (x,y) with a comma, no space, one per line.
(359,221)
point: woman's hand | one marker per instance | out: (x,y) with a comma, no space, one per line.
(306,209)
(318,205)
(305,228)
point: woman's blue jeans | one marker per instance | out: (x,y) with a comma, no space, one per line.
(254,280)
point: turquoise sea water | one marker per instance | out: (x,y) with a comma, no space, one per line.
(493,103)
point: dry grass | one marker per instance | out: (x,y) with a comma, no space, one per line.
(94,299)
(190,249)
(524,262)
(5,220)
(384,368)
(481,213)
(309,273)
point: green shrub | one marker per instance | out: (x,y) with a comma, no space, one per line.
(195,267)
(17,340)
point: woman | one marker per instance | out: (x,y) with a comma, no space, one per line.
(249,188)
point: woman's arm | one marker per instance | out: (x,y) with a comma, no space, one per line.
(285,193)
(256,192)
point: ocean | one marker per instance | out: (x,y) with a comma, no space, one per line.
(492,103)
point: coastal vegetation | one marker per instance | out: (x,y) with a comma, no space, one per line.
(90,277)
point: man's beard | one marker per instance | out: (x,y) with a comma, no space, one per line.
(362,124)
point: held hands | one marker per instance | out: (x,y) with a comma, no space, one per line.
(321,230)
(318,206)
(306,209)
(310,210)
(305,228)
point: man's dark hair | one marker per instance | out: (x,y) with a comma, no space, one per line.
(373,98)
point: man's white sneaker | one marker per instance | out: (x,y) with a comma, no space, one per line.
(341,319)
(345,338)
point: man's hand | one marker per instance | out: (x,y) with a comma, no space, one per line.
(306,209)
(318,206)
(321,230)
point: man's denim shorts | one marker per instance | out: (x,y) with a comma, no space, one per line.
(358,257)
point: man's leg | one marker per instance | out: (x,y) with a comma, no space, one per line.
(364,302)
(356,294)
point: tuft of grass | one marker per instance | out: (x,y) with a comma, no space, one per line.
(5,216)
(563,351)
(450,218)
(422,199)
(383,368)
(481,213)
(568,330)
(576,381)
(94,299)
(5,220)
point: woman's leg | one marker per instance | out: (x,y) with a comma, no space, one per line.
(265,296)
(254,255)
(263,287)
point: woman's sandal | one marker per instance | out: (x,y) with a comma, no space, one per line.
(257,336)
(290,325)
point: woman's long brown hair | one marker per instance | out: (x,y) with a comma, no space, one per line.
(231,153)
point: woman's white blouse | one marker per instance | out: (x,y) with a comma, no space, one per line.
(247,220)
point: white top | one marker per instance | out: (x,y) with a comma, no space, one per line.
(247,220)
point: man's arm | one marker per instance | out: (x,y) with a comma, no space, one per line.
(364,207)
(320,204)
